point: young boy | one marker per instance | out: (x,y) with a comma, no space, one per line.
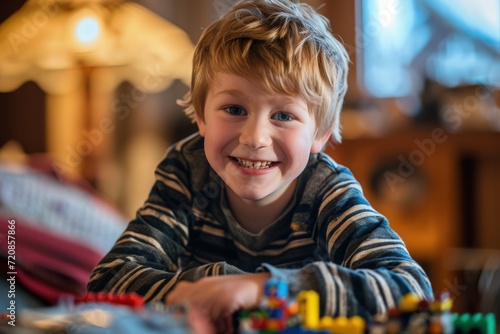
(252,195)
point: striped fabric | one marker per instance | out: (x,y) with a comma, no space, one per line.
(328,239)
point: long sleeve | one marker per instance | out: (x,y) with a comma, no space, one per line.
(146,257)
(360,265)
(328,239)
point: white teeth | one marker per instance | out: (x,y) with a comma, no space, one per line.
(254,164)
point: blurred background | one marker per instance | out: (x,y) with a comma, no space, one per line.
(88,94)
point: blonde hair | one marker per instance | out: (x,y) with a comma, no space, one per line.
(285,45)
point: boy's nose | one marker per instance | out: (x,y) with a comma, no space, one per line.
(255,134)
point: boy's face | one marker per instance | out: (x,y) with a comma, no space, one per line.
(257,142)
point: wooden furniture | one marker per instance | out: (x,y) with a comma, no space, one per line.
(440,191)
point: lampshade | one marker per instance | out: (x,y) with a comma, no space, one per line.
(49,41)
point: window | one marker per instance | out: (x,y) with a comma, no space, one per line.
(406,42)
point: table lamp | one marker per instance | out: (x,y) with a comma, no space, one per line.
(79,51)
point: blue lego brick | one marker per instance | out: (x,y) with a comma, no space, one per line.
(275,314)
(276,288)
(314,331)
(292,330)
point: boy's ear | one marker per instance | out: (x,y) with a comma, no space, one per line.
(202,127)
(319,142)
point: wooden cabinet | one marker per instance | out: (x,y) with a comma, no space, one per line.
(440,191)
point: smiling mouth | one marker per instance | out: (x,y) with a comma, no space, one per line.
(253,164)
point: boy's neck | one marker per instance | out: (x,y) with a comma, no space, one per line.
(254,216)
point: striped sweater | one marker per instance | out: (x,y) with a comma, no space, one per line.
(328,239)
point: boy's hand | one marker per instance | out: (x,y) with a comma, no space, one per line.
(218,297)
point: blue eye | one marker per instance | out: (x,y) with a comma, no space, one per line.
(283,117)
(235,110)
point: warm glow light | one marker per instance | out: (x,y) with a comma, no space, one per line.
(87,30)
(79,52)
(117,40)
